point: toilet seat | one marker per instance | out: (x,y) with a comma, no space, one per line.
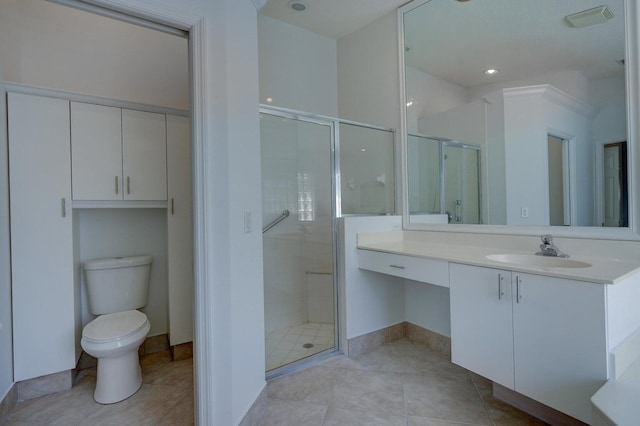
(113,327)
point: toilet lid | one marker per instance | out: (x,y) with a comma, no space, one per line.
(114,326)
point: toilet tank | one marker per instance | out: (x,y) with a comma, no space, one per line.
(117,284)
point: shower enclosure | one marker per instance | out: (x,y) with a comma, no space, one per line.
(302,195)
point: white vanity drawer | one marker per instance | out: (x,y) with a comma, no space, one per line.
(414,268)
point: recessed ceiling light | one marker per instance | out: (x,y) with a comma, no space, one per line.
(491,71)
(297,5)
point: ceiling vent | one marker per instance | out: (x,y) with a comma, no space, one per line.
(594,16)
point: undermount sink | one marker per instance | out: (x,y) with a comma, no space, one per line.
(538,261)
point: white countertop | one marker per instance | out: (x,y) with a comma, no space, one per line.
(618,399)
(602,270)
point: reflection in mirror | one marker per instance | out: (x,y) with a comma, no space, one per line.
(551,79)
(443,181)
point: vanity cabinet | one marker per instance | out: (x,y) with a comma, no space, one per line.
(42,271)
(117,154)
(540,336)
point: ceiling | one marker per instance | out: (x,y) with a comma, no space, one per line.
(521,38)
(332,18)
(457,41)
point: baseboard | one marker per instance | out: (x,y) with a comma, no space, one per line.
(153,344)
(367,342)
(435,341)
(45,385)
(182,351)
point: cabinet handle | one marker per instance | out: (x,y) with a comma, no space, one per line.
(397,266)
(500,292)
(128,185)
(171,205)
(117,189)
(518,295)
(64,207)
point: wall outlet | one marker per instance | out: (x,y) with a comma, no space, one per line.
(524,212)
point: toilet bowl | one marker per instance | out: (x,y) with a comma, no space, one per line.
(116,288)
(114,339)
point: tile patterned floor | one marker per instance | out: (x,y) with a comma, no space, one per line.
(165,398)
(285,346)
(401,383)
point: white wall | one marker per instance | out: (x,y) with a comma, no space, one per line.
(49,45)
(298,68)
(368,88)
(430,95)
(529,119)
(370,301)
(427,306)
(127,232)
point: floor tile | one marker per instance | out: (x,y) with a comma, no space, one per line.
(365,390)
(444,398)
(340,417)
(293,413)
(314,384)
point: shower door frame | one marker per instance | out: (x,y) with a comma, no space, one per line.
(335,212)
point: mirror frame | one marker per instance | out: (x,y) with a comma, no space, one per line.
(632,78)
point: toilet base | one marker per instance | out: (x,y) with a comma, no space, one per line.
(118,378)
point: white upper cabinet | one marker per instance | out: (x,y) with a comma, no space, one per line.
(117,154)
(96,146)
(144,155)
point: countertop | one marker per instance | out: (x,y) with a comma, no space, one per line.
(618,399)
(602,270)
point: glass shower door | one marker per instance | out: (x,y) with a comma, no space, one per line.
(461,183)
(298,238)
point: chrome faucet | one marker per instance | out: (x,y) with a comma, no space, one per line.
(547,248)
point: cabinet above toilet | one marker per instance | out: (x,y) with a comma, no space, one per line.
(117,154)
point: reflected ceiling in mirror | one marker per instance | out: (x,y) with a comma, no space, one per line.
(549,126)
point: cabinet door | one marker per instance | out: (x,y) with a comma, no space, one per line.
(41,236)
(144,155)
(180,231)
(559,342)
(96,152)
(481,322)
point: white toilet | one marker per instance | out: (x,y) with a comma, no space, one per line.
(116,287)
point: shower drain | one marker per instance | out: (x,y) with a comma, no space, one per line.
(307,345)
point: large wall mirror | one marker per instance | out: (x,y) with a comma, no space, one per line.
(516,113)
